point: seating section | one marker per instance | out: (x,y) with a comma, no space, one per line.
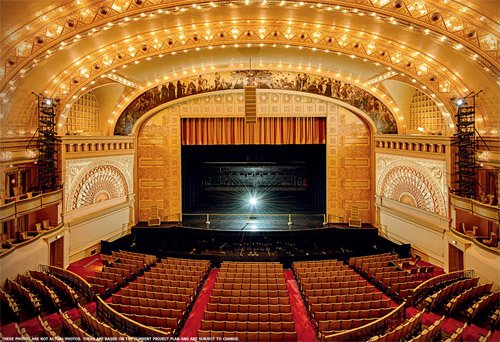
(357,262)
(99,328)
(19,335)
(396,276)
(161,297)
(486,303)
(249,302)
(432,302)
(45,293)
(77,283)
(25,295)
(70,328)
(457,334)
(119,268)
(48,331)
(466,297)
(338,299)
(430,333)
(64,290)
(10,304)
(403,331)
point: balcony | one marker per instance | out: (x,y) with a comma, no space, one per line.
(474,207)
(14,207)
(475,240)
(11,245)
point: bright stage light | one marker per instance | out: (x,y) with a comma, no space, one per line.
(461,102)
(253,201)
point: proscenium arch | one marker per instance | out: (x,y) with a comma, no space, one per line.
(149,114)
(158,139)
(296,82)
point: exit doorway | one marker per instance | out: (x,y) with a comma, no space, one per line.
(455,259)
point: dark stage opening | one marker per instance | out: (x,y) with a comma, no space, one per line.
(254,179)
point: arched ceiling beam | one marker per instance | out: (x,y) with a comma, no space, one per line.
(60,27)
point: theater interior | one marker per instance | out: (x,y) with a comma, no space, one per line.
(249,170)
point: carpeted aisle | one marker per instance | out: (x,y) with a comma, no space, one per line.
(303,326)
(86,266)
(193,323)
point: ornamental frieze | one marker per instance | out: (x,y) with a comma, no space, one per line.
(262,79)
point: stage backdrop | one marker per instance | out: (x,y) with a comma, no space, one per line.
(347,139)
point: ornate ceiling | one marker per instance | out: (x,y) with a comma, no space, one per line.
(63,49)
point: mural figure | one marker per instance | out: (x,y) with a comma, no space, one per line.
(263,79)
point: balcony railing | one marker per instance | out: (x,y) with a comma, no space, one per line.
(477,240)
(12,244)
(14,207)
(477,208)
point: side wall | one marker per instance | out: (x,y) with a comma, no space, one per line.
(31,254)
(412,179)
(98,192)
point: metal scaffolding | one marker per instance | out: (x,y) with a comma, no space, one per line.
(47,165)
(466,143)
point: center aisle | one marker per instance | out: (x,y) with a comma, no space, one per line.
(193,323)
(303,325)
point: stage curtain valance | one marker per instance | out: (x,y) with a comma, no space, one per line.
(272,131)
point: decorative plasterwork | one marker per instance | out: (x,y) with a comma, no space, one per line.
(414,181)
(451,23)
(72,22)
(98,179)
(416,68)
(270,103)
(264,79)
(231,104)
(99,184)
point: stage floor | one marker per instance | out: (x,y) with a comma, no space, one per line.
(253,223)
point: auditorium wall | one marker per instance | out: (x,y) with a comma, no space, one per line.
(159,166)
(412,202)
(349,152)
(31,254)
(484,261)
(98,201)
(349,170)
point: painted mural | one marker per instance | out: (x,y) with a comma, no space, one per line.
(263,79)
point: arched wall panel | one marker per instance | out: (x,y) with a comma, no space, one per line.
(92,180)
(414,181)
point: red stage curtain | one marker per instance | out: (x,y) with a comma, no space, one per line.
(272,131)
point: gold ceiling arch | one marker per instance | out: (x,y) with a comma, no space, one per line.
(453,18)
(463,25)
(459,26)
(415,67)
